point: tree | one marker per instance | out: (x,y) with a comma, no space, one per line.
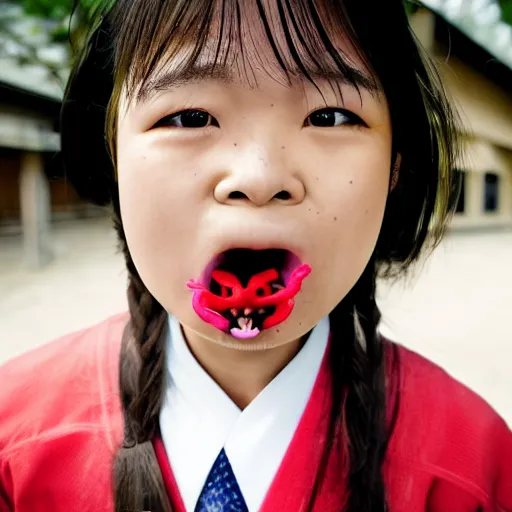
(37,32)
(59,12)
(506,10)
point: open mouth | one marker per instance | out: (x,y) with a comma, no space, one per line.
(245,291)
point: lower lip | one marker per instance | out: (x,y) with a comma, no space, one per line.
(244,335)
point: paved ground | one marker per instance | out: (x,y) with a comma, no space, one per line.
(457,312)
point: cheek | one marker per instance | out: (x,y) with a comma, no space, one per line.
(352,191)
(152,192)
(352,186)
(364,190)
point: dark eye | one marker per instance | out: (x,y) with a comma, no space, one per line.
(332,117)
(188,119)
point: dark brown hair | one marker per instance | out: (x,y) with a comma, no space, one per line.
(128,42)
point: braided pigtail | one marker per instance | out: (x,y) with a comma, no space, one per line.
(358,415)
(362,375)
(357,366)
(138,483)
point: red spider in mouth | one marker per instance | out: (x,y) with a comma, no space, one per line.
(243,299)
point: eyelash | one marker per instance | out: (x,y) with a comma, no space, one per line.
(165,121)
(351,118)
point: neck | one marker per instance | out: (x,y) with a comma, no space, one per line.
(241,374)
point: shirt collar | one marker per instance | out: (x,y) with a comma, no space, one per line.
(198,419)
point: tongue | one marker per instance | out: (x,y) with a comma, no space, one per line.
(245,330)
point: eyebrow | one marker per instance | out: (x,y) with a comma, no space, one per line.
(198,73)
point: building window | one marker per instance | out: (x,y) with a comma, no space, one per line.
(461,202)
(458,198)
(491,192)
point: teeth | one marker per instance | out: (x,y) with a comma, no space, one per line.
(234,312)
(244,323)
(278,286)
(248,311)
(261,311)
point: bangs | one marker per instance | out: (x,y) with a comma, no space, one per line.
(289,40)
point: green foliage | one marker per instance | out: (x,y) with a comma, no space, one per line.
(506,10)
(54,18)
(411,6)
(51,22)
(59,11)
(49,9)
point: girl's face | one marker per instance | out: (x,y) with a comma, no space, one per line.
(241,158)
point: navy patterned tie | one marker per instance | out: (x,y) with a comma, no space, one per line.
(221,492)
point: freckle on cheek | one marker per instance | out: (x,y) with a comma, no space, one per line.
(335,219)
(351,182)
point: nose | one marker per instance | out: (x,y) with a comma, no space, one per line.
(257,178)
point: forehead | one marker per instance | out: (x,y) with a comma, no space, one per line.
(240,41)
(267,31)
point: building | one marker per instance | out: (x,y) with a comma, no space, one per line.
(33,189)
(480,84)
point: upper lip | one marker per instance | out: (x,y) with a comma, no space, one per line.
(251,245)
(259,246)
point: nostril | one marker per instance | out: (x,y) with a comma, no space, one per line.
(237,195)
(283,195)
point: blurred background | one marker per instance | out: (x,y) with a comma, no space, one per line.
(59,268)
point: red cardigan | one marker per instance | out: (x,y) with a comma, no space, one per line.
(60,424)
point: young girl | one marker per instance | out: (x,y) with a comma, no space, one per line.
(264,160)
